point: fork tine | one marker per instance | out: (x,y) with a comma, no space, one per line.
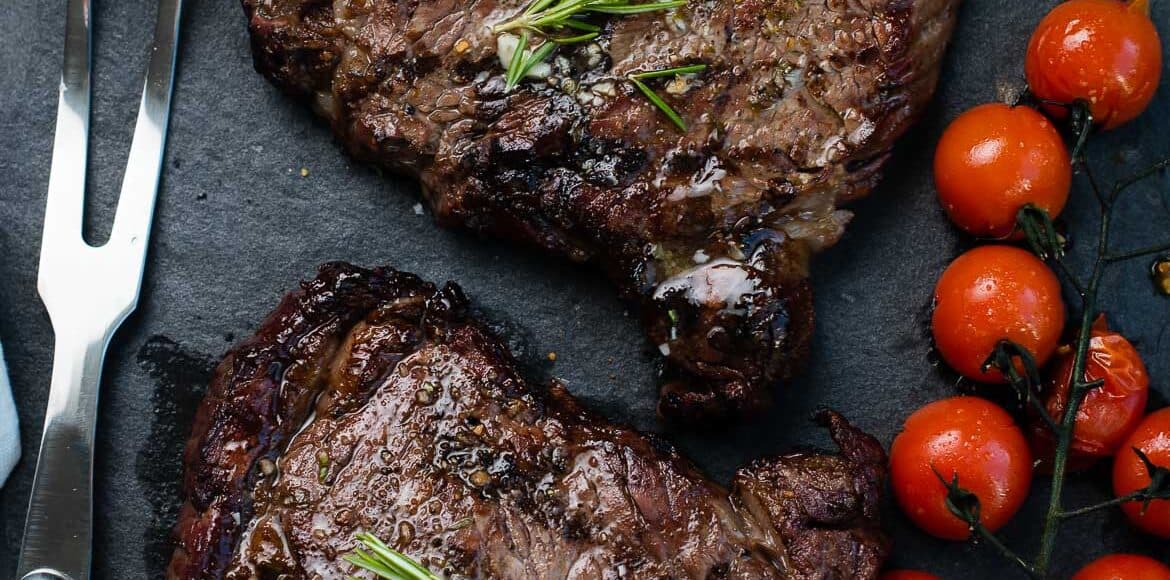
(66,199)
(140,182)
(58,530)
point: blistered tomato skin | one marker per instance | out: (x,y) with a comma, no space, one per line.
(1152,437)
(1109,413)
(965,436)
(1106,52)
(994,159)
(1124,567)
(990,294)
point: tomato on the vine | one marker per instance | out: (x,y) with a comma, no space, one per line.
(968,437)
(1124,567)
(995,159)
(1152,437)
(1106,52)
(1109,413)
(908,575)
(990,294)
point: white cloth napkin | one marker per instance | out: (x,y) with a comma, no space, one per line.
(9,426)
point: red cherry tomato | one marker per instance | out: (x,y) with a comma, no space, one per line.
(908,575)
(1108,413)
(993,160)
(1103,51)
(993,293)
(1124,567)
(965,436)
(1152,436)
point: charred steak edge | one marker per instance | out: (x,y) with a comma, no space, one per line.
(369,401)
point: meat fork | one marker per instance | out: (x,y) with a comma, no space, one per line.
(88,291)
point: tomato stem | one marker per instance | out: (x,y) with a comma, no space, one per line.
(1042,237)
(1005,551)
(1139,495)
(1147,251)
(1079,387)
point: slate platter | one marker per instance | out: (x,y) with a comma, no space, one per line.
(237,225)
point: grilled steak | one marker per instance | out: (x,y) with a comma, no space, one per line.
(368,401)
(710,229)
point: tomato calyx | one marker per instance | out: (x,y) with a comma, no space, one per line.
(960,502)
(1040,232)
(1019,367)
(1159,487)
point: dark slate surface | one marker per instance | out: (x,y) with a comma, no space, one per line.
(237,225)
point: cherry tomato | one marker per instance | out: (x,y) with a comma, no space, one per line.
(1152,436)
(965,436)
(993,293)
(1124,567)
(1106,52)
(1108,413)
(908,575)
(993,160)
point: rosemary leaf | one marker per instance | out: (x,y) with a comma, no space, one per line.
(385,562)
(575,39)
(668,72)
(658,102)
(537,56)
(580,25)
(537,6)
(666,109)
(614,8)
(516,63)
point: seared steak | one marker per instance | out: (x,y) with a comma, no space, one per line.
(368,401)
(709,229)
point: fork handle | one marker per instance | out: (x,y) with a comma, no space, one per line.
(59,528)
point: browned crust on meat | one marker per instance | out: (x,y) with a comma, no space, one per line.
(796,113)
(338,369)
(261,393)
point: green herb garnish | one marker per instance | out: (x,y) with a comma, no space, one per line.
(385,562)
(561,22)
(666,109)
(520,64)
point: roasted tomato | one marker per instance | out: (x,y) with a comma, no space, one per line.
(908,575)
(1109,413)
(1152,437)
(1124,567)
(993,160)
(993,293)
(1106,52)
(965,436)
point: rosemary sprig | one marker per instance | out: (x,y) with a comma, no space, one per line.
(522,61)
(637,78)
(551,16)
(385,562)
(552,19)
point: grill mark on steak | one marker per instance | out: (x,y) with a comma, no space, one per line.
(368,401)
(794,116)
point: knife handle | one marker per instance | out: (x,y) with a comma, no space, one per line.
(59,528)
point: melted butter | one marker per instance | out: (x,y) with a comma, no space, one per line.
(704,182)
(722,282)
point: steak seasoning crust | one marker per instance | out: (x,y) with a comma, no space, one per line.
(710,229)
(368,402)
